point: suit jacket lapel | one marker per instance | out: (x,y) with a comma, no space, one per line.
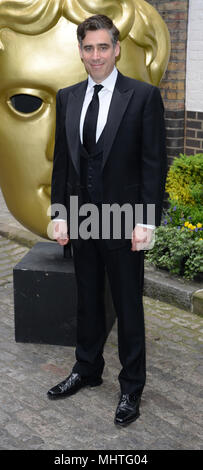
(120,99)
(73,112)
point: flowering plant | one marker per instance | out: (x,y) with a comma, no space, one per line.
(174,217)
(179,240)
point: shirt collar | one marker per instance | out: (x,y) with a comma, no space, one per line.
(108,83)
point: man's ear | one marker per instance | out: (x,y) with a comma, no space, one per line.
(117,49)
(80,50)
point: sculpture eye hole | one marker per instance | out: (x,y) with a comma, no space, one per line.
(25,103)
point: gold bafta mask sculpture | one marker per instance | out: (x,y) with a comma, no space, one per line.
(39,55)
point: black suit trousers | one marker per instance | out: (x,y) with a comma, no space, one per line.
(125,270)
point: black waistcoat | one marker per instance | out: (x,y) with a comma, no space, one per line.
(90,172)
(91,185)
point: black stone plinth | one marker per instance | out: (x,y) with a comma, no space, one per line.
(45,297)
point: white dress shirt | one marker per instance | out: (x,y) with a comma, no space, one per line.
(105,96)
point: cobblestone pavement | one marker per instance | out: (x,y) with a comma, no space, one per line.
(6,216)
(171,404)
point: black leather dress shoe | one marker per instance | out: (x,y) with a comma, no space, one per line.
(128,409)
(71,385)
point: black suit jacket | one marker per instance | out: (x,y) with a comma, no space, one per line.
(134,158)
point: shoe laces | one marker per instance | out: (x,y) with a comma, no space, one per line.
(124,399)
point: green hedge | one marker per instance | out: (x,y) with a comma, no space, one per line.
(179,240)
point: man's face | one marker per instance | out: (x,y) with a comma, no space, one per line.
(98,54)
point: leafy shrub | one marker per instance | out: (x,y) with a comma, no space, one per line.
(178,251)
(184,180)
(179,240)
(178,214)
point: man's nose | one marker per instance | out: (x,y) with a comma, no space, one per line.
(96,54)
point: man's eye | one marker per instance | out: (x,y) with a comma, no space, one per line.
(25,103)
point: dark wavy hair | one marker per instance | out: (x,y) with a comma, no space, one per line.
(93,23)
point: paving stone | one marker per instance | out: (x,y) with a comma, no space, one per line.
(172,399)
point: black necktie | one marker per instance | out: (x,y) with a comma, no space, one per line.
(90,122)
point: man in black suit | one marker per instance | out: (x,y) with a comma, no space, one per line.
(109,148)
